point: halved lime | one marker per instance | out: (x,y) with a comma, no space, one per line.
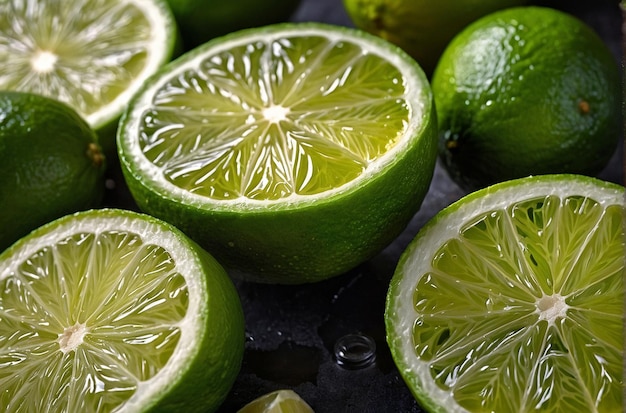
(293,152)
(90,54)
(279,401)
(512,300)
(109,310)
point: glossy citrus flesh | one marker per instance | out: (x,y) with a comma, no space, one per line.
(526,91)
(422,28)
(272,128)
(90,54)
(512,300)
(50,163)
(279,401)
(106,311)
(279,131)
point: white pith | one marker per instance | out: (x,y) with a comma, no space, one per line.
(44,59)
(186,264)
(401,312)
(152,175)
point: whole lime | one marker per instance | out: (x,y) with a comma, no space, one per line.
(422,28)
(526,91)
(199,20)
(50,163)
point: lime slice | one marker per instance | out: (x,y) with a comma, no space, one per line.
(292,152)
(90,54)
(511,300)
(279,401)
(112,310)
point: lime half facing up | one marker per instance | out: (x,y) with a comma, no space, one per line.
(292,152)
(109,310)
(90,54)
(512,300)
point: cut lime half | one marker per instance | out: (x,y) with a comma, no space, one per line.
(109,310)
(512,300)
(292,151)
(90,54)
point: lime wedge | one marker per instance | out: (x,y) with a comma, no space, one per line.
(109,310)
(90,54)
(512,300)
(292,152)
(279,401)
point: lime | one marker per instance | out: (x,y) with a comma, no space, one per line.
(526,91)
(200,20)
(422,28)
(512,300)
(110,310)
(91,54)
(279,401)
(292,152)
(50,163)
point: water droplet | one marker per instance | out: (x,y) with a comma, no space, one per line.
(355,351)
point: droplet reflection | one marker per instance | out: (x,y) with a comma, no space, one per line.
(355,351)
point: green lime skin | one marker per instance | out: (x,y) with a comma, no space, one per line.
(50,163)
(199,21)
(526,91)
(422,28)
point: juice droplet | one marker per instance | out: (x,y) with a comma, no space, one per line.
(355,351)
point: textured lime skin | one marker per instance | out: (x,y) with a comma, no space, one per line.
(306,241)
(422,28)
(50,164)
(215,359)
(526,91)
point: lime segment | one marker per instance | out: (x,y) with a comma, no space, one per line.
(279,401)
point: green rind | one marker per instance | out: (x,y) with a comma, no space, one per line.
(213,368)
(427,401)
(45,171)
(289,243)
(213,365)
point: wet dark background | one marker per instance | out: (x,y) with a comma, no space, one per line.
(291,331)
